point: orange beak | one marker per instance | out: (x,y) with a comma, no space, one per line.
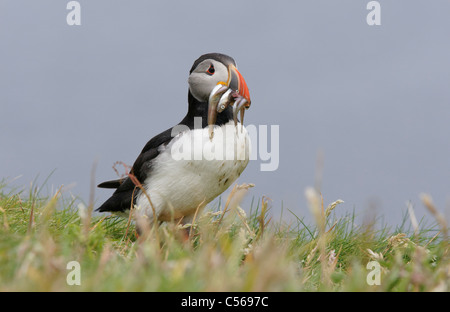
(237,82)
(233,92)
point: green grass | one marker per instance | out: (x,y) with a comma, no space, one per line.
(225,251)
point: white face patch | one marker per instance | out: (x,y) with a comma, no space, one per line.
(201,83)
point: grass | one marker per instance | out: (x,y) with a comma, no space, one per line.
(225,250)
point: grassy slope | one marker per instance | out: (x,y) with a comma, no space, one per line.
(226,251)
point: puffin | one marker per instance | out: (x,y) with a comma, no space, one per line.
(182,169)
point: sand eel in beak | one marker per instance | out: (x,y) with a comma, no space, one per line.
(187,166)
(234,92)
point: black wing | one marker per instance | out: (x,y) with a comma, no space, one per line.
(142,167)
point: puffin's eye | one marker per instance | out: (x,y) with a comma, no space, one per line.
(211,70)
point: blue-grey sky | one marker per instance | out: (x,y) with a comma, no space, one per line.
(373,100)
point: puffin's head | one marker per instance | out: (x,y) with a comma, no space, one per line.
(214,79)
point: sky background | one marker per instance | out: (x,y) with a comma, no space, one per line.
(374,101)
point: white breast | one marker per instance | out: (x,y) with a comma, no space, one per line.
(192,170)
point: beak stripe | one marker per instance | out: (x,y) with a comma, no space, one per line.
(240,84)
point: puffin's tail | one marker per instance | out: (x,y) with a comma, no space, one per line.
(111,184)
